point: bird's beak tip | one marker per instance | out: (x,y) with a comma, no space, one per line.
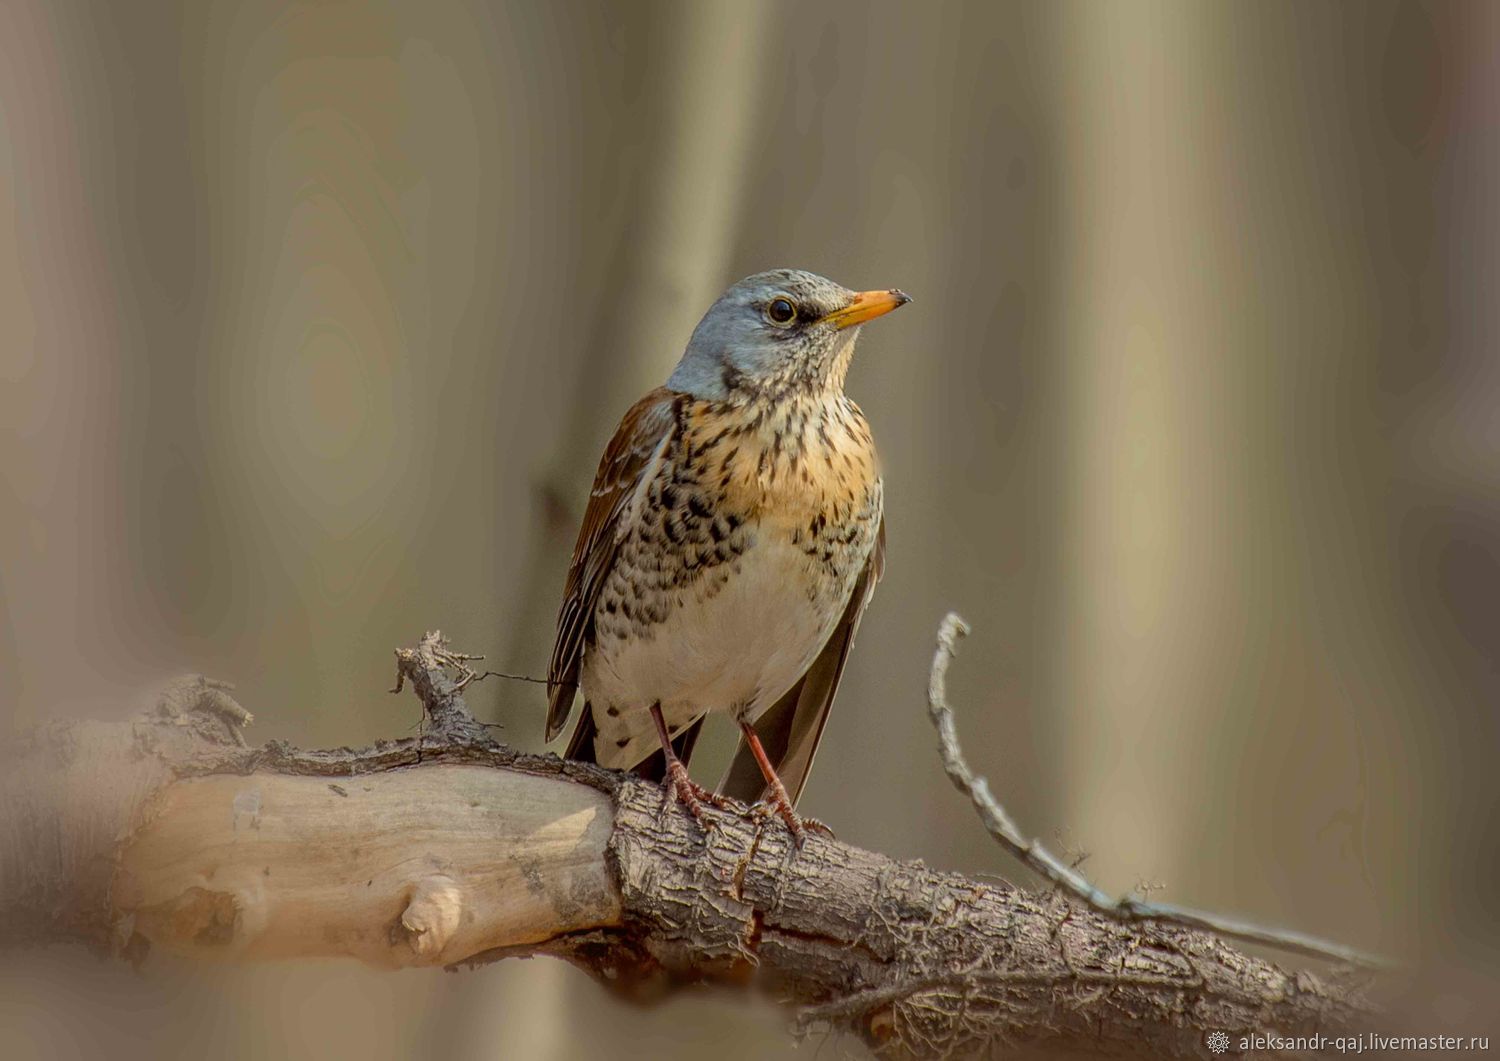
(867,305)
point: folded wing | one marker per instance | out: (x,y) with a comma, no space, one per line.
(624,470)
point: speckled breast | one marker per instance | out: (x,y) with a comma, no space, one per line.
(744,552)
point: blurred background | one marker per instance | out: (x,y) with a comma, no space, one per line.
(314,319)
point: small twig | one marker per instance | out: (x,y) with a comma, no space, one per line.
(442,701)
(1000,825)
(194,697)
(514,677)
(460,661)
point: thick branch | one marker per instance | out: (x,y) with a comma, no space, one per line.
(451,848)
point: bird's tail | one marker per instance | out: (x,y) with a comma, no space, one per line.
(652,768)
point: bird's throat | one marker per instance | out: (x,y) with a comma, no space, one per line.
(801,455)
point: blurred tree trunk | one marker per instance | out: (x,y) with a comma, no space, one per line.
(666,266)
(1229,463)
(64,362)
(662,264)
(1441,77)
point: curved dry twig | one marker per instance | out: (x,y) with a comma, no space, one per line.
(1000,825)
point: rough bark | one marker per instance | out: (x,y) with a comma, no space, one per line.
(452,848)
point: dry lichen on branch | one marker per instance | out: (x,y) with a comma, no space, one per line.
(451,848)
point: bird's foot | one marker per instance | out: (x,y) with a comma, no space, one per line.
(692,795)
(778,806)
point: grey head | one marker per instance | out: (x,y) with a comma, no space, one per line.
(777,331)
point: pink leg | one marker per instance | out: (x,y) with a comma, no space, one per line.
(778,799)
(686,791)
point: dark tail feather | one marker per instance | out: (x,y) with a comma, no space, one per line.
(581,743)
(743,780)
(652,768)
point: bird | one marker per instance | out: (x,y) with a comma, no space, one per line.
(732,540)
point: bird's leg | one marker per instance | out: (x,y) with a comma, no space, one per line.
(687,791)
(777,800)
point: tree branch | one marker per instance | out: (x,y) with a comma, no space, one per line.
(451,848)
(1000,825)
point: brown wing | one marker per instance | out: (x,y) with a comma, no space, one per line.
(637,442)
(790,730)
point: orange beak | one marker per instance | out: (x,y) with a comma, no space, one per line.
(867,305)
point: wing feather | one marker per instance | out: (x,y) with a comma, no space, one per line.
(624,470)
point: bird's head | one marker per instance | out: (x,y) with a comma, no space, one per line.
(777,331)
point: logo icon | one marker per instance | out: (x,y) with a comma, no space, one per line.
(1218,1042)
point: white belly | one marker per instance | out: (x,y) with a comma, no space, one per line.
(736,651)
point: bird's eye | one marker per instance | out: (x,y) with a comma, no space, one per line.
(781,311)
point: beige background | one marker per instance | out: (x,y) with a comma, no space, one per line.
(313,319)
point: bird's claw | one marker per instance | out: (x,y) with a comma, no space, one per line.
(679,786)
(799,825)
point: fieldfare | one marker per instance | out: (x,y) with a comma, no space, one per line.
(731,542)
